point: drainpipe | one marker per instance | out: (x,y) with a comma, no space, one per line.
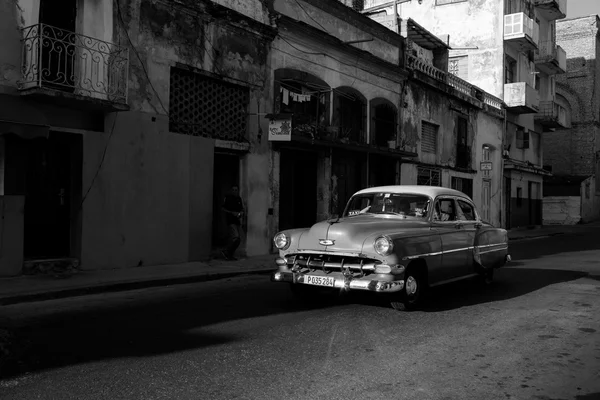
(504,199)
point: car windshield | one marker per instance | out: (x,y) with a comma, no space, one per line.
(413,206)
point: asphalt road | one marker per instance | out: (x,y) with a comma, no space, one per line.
(535,334)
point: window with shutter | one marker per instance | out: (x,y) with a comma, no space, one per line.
(429,137)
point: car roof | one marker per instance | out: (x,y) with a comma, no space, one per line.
(431,191)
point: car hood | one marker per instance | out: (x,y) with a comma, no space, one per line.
(349,234)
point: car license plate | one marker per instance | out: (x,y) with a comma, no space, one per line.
(319,280)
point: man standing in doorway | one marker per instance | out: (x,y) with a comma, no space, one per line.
(233,208)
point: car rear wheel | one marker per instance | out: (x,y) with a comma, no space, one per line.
(410,297)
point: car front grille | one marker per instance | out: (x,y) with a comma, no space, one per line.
(326,262)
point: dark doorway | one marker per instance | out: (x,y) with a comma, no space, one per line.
(297,189)
(384,122)
(47,171)
(350,171)
(507,200)
(58,44)
(226,175)
(382,171)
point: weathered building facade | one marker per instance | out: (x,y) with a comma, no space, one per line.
(507,48)
(573,155)
(123,123)
(455,127)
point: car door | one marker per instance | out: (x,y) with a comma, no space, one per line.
(470,225)
(454,238)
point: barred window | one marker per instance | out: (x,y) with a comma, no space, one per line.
(203,106)
(429,137)
(428,176)
(464,185)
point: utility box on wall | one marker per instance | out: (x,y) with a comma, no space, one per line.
(11,235)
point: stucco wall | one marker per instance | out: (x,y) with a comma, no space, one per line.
(339,26)
(142,208)
(562,210)
(424,104)
(476,25)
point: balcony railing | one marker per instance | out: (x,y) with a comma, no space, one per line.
(553,115)
(457,83)
(550,58)
(69,62)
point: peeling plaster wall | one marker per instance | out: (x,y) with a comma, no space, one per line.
(425,104)
(477,25)
(255,9)
(152,202)
(337,69)
(337,25)
(10,36)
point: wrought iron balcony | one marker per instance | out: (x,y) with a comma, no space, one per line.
(553,115)
(551,9)
(550,58)
(522,31)
(56,60)
(521,98)
(457,83)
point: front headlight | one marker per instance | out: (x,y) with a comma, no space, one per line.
(383,246)
(281,241)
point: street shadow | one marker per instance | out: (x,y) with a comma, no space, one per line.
(138,325)
(531,249)
(509,283)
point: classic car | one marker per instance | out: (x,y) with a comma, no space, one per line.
(397,240)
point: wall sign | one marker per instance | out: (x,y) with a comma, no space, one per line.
(280,129)
(486,166)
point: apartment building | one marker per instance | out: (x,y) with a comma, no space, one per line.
(507,48)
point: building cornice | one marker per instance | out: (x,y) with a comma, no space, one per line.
(354,18)
(309,35)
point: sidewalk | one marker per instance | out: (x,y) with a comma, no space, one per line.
(550,230)
(45,287)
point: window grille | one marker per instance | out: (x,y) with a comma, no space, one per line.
(428,176)
(464,185)
(459,66)
(202,106)
(429,137)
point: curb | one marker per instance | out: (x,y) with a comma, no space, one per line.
(124,286)
(536,236)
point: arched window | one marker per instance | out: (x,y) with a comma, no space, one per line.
(384,122)
(349,114)
(305,96)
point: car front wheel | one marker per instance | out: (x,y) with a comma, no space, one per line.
(410,297)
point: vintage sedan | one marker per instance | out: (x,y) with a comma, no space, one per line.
(397,240)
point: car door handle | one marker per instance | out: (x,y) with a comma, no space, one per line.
(478,225)
(458,225)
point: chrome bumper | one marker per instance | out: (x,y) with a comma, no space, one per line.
(344,282)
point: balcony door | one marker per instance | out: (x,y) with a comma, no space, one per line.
(58,44)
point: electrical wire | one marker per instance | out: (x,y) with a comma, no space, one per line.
(309,16)
(139,58)
(112,129)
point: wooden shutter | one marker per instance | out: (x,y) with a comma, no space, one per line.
(429,137)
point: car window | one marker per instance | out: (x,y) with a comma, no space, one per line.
(468,212)
(445,210)
(404,205)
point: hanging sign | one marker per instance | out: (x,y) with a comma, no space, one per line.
(486,165)
(280,130)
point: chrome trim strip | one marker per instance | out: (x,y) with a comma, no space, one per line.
(437,253)
(492,250)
